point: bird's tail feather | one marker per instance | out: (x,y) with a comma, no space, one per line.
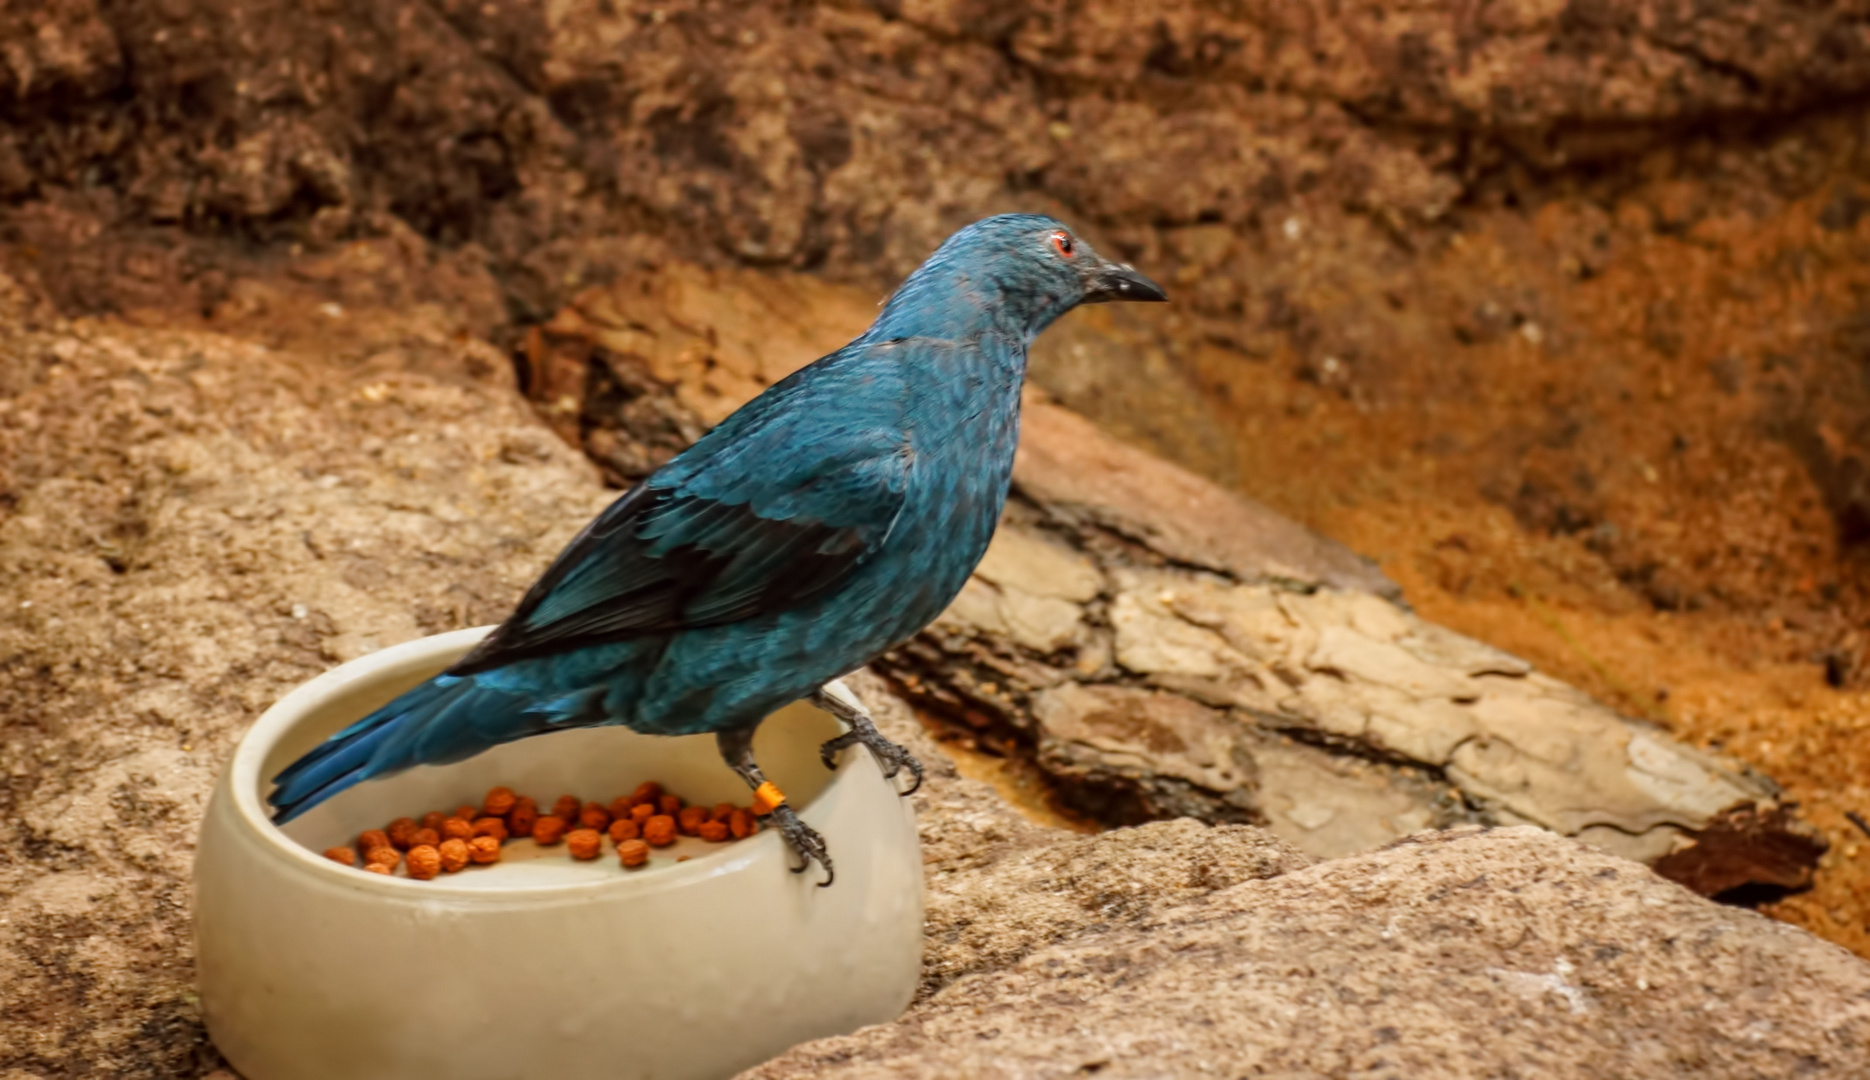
(444,719)
(447,719)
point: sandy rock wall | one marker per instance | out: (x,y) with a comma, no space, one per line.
(858,132)
(1470,240)
(1470,243)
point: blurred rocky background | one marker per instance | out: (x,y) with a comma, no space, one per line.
(323,323)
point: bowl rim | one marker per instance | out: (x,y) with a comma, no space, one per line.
(243,776)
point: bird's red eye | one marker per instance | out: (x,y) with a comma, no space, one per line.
(1061,242)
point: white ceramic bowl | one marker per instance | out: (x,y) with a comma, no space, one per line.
(540,966)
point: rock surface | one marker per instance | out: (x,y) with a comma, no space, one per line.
(1462,954)
(1177,948)
(860,133)
(193,525)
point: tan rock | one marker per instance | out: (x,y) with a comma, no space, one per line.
(1031,590)
(987,920)
(1329,805)
(1166,754)
(194,525)
(1078,473)
(1039,566)
(1467,954)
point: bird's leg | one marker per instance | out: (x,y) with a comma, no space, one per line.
(893,758)
(737,749)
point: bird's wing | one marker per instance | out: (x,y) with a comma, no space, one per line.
(769,511)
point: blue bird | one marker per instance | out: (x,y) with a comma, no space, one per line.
(827,520)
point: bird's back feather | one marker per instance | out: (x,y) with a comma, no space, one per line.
(770,511)
(829,518)
(773,508)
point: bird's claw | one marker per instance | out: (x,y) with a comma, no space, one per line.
(893,758)
(804,840)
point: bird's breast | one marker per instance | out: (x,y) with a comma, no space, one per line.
(957,490)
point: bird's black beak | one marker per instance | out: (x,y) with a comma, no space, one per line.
(1120,281)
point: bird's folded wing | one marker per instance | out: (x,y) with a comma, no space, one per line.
(743,535)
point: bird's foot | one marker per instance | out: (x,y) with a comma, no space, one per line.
(892,757)
(769,803)
(804,840)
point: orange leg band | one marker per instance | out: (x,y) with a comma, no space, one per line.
(766,799)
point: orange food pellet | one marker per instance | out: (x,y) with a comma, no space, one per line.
(454,854)
(548,830)
(594,816)
(424,862)
(524,816)
(344,855)
(400,832)
(659,831)
(584,843)
(498,802)
(648,818)
(690,819)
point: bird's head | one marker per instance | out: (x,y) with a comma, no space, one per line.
(1013,272)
